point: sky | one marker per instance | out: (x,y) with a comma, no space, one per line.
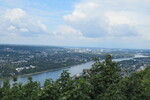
(79,23)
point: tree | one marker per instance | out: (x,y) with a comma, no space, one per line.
(102,82)
(14,78)
(6,90)
(50,91)
(81,90)
(31,90)
(64,83)
(17,92)
(146,82)
(102,75)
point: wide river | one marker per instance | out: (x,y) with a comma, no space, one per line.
(55,74)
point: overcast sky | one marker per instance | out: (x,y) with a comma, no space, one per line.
(81,23)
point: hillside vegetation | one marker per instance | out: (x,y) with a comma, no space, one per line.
(102,82)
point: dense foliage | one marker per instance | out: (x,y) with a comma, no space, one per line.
(102,82)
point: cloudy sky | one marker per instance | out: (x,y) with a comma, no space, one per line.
(81,23)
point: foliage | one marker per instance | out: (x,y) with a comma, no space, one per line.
(146,82)
(102,82)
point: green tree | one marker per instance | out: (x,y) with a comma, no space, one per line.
(17,92)
(132,88)
(31,90)
(81,90)
(102,82)
(64,84)
(50,91)
(146,81)
(102,75)
(14,78)
(6,90)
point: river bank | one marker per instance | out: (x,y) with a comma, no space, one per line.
(50,70)
(53,74)
(56,73)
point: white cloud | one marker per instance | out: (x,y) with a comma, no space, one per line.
(99,18)
(64,31)
(10,28)
(99,23)
(24,30)
(117,18)
(14,14)
(19,22)
(42,26)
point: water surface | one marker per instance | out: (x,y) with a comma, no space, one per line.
(55,74)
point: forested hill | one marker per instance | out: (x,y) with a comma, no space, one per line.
(102,82)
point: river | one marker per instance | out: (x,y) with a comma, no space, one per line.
(55,74)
